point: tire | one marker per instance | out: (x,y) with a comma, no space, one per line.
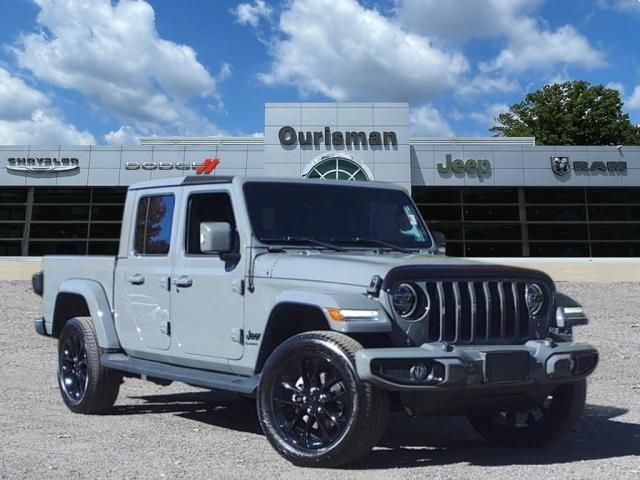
(85,385)
(537,427)
(337,423)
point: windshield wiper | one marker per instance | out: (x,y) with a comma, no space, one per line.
(312,241)
(374,241)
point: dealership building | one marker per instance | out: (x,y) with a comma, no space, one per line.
(491,197)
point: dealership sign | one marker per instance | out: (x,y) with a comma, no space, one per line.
(288,136)
(205,167)
(42,164)
(470,166)
(562,166)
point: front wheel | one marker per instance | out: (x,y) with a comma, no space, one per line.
(536,427)
(313,408)
(85,385)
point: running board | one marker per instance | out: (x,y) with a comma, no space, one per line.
(191,376)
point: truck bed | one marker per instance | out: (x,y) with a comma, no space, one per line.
(58,269)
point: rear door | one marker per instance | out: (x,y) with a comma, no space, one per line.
(207,304)
(143,277)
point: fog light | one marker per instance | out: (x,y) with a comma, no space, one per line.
(420,371)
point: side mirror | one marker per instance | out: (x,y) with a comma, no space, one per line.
(441,242)
(216,237)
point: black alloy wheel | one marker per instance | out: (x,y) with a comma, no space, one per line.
(312,406)
(539,426)
(85,385)
(311,402)
(73,367)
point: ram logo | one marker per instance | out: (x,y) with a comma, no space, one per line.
(560,165)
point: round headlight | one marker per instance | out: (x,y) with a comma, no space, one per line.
(405,300)
(534,297)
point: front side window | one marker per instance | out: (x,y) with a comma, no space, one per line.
(153,225)
(206,207)
(332,213)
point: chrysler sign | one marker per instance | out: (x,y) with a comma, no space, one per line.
(42,164)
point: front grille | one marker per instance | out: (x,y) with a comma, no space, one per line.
(474,312)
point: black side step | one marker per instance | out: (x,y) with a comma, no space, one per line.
(191,376)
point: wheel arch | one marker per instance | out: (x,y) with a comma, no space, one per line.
(287,319)
(85,298)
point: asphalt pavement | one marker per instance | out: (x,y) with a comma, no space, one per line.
(184,432)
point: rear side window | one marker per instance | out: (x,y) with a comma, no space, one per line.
(153,225)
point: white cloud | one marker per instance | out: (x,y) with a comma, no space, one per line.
(44,129)
(532,48)
(113,55)
(17,99)
(461,20)
(484,84)
(633,102)
(26,117)
(251,14)
(624,6)
(346,51)
(125,135)
(530,44)
(616,86)
(490,114)
(427,121)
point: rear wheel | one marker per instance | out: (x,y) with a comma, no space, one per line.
(542,425)
(85,385)
(312,406)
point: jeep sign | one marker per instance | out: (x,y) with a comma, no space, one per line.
(470,167)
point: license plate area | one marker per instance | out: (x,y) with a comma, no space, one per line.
(506,367)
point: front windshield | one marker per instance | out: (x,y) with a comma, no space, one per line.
(341,215)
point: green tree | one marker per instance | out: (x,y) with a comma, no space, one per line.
(570,113)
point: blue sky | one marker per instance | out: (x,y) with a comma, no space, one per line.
(100,71)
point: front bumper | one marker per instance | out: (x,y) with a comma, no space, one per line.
(438,367)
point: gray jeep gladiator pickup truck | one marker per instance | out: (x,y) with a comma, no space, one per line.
(329,302)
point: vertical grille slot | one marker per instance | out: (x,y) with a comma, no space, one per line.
(476,312)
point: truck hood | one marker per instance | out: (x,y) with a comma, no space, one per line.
(343,268)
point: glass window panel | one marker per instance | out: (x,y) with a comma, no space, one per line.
(435,195)
(153,234)
(10,249)
(13,195)
(49,247)
(105,230)
(561,249)
(60,212)
(11,230)
(58,230)
(440,212)
(558,231)
(455,249)
(554,195)
(624,214)
(103,248)
(16,212)
(613,195)
(615,249)
(107,212)
(558,213)
(206,207)
(452,231)
(109,195)
(492,231)
(61,195)
(493,249)
(491,213)
(490,195)
(615,231)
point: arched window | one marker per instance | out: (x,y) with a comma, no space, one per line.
(338,168)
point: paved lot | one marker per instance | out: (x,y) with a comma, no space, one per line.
(182,432)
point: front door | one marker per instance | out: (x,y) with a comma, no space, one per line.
(143,277)
(207,302)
